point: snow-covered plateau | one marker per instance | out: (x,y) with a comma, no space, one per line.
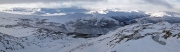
(108,30)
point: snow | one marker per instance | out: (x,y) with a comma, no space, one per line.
(137,37)
(18,31)
(145,44)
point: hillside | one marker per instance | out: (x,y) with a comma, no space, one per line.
(96,31)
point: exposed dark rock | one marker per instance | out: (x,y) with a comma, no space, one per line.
(167,34)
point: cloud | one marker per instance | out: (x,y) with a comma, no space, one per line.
(143,5)
(42,1)
(159,2)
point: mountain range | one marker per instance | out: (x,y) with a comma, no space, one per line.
(82,30)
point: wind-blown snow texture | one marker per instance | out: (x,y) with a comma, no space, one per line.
(121,31)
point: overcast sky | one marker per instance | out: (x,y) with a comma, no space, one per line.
(144,5)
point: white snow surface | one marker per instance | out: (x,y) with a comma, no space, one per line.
(130,38)
(109,42)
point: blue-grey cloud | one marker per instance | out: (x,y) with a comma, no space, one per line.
(159,2)
(144,5)
(43,1)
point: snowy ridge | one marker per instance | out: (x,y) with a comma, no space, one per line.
(164,14)
(162,36)
(72,10)
(45,11)
(77,23)
(112,31)
(165,37)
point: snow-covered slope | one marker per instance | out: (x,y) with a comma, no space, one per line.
(148,37)
(159,37)
(120,30)
(93,24)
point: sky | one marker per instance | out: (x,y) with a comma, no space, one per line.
(142,5)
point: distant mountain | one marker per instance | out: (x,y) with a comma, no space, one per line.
(43,11)
(81,30)
(161,36)
(135,37)
(164,14)
(72,10)
(90,24)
